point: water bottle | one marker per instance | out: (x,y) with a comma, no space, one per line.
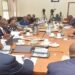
(48,30)
(35,29)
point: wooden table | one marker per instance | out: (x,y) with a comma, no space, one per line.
(55,53)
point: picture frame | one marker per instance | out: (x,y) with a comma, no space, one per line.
(54,0)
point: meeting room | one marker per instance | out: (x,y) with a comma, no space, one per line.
(37,37)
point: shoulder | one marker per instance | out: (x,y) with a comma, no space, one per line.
(58,64)
(66,67)
(6,59)
(21,21)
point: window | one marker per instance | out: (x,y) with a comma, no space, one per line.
(5,9)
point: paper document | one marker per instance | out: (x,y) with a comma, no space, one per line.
(41,50)
(20,42)
(67,27)
(4,52)
(15,33)
(3,42)
(34,60)
(65,57)
(40,55)
(19,58)
(6,47)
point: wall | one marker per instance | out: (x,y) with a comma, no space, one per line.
(0,7)
(25,7)
(71,9)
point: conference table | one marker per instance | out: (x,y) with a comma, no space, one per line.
(56,53)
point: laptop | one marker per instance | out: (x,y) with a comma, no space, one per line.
(23,48)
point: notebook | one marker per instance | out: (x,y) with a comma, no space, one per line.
(23,48)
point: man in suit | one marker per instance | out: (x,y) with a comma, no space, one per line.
(9,66)
(24,22)
(66,67)
(1,34)
(72,22)
(4,28)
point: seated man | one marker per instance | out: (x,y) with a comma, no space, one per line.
(4,28)
(66,67)
(24,22)
(1,34)
(72,22)
(9,66)
(12,24)
(57,18)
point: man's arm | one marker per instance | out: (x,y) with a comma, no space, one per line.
(28,67)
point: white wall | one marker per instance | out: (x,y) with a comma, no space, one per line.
(0,8)
(25,7)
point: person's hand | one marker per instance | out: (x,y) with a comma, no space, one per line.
(1,46)
(27,56)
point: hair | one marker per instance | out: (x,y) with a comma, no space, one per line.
(72,50)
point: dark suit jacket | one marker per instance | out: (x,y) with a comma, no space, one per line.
(1,34)
(9,66)
(5,29)
(66,67)
(23,22)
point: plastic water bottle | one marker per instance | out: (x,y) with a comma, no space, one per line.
(35,29)
(48,30)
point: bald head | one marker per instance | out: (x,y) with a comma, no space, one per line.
(72,50)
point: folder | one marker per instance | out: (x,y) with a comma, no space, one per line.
(23,48)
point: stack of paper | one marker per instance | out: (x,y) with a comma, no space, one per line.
(6,49)
(15,33)
(65,57)
(40,55)
(67,27)
(34,60)
(21,60)
(40,52)
(3,42)
(20,42)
